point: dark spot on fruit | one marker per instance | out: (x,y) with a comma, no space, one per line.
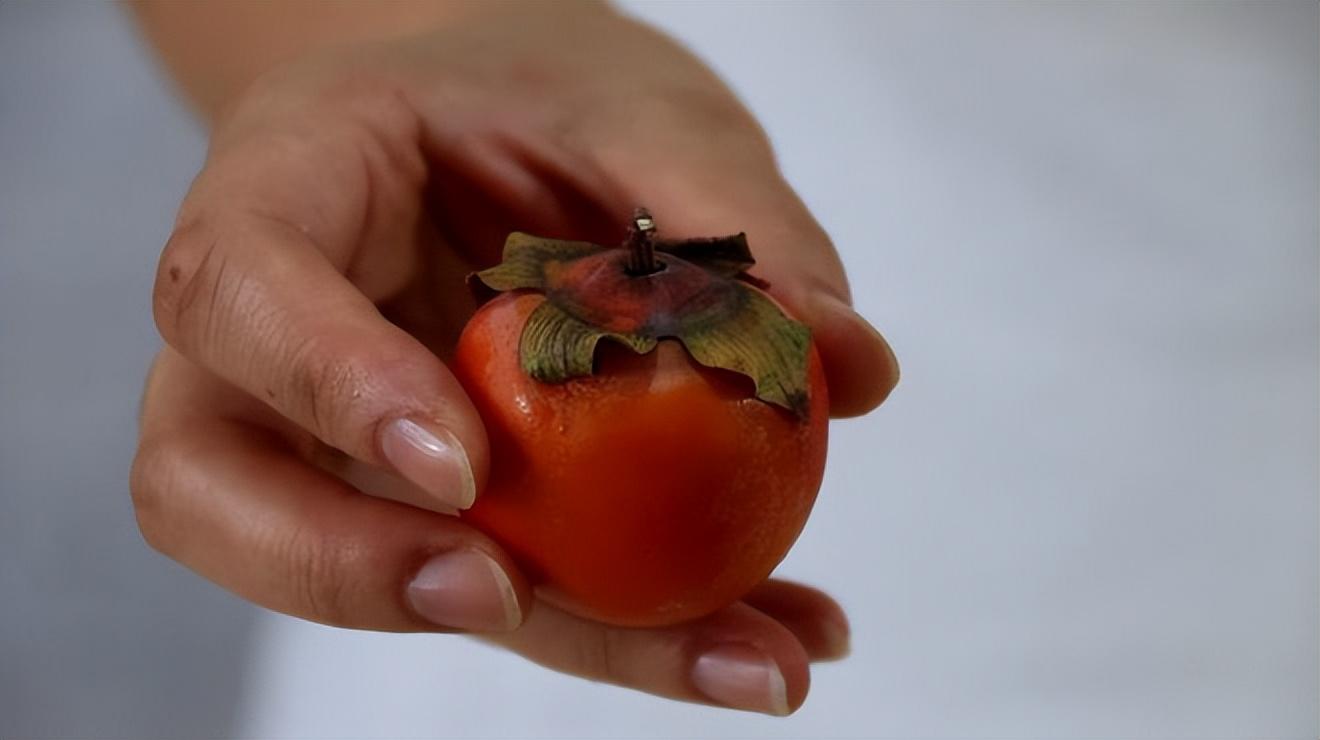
(174,273)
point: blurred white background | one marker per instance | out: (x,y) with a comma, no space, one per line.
(1092,234)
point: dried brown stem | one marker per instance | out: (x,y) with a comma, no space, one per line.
(641,244)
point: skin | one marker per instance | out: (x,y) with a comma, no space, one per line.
(363,159)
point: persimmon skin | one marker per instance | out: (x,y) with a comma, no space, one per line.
(654,491)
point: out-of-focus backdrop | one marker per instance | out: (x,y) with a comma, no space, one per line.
(1092,233)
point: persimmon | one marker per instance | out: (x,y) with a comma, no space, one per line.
(660,474)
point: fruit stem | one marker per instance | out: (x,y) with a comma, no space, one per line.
(641,244)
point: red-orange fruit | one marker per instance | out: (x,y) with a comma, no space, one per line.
(651,491)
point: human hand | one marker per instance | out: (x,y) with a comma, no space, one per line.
(314,285)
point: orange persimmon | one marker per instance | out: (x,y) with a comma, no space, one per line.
(640,489)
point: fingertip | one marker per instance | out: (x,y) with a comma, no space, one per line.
(860,366)
(234,503)
(815,619)
(836,641)
(764,666)
(436,441)
(466,589)
(460,417)
(431,457)
(796,667)
(742,676)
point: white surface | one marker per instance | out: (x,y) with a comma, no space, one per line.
(1090,509)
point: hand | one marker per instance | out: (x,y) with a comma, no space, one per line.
(313,286)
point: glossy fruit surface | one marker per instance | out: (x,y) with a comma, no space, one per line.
(652,491)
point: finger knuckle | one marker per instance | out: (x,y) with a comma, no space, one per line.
(328,384)
(202,292)
(602,656)
(187,279)
(317,581)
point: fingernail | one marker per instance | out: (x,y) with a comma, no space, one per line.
(741,677)
(432,458)
(465,589)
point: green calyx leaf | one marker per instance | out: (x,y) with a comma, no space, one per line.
(698,293)
(525,259)
(759,341)
(556,347)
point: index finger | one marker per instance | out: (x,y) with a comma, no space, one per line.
(251,286)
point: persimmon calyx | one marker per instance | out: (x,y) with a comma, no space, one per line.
(693,290)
